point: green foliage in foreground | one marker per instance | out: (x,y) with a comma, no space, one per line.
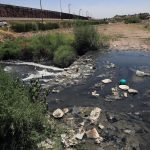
(64,56)
(22,120)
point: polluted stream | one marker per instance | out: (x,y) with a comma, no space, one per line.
(129,114)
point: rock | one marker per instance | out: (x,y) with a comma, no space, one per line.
(111,118)
(93,134)
(112,65)
(47,144)
(58,113)
(101,126)
(95,94)
(55,91)
(82,123)
(132,91)
(81,134)
(99,140)
(65,110)
(106,81)
(124,87)
(94,115)
(127,131)
(69,140)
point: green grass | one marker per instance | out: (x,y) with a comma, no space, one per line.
(33,26)
(86,39)
(64,56)
(34,48)
(62,49)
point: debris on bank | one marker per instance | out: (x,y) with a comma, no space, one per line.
(99,128)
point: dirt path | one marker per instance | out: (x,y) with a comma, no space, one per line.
(127,36)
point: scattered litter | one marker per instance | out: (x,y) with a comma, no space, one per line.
(99,140)
(106,81)
(69,139)
(101,126)
(116,94)
(132,91)
(124,87)
(125,94)
(95,94)
(65,110)
(81,134)
(123,82)
(94,115)
(93,134)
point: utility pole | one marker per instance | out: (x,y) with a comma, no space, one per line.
(60,10)
(69,5)
(87,15)
(80,13)
(41,9)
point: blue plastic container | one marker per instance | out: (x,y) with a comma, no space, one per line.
(123,82)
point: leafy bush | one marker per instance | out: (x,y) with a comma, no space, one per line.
(26,27)
(132,20)
(143,16)
(22,114)
(64,56)
(86,39)
(34,48)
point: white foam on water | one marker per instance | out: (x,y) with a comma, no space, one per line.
(8,69)
(34,64)
(40,74)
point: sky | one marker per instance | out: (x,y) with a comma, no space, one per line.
(95,8)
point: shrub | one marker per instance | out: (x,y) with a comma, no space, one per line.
(50,26)
(143,16)
(9,50)
(22,119)
(132,20)
(24,27)
(147,26)
(86,39)
(64,56)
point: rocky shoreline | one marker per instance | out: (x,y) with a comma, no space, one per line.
(91,128)
(79,71)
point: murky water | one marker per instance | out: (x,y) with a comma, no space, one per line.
(126,65)
(135,107)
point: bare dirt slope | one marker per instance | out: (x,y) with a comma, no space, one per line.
(127,36)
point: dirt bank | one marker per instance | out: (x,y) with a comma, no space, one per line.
(127,36)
